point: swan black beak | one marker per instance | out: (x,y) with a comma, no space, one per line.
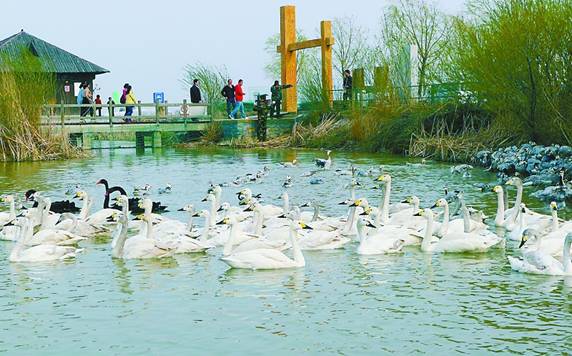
(281,216)
(353,205)
(404,201)
(343,203)
(204,199)
(417,214)
(10,223)
(523,241)
(364,213)
(220,209)
(258,196)
(434,206)
(305,205)
(249,209)
(220,222)
(369,224)
(306,227)
(111,219)
(181,209)
(195,215)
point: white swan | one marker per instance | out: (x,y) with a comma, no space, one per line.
(321,240)
(8,233)
(99,218)
(325,163)
(384,207)
(267,258)
(460,243)
(246,242)
(142,245)
(40,253)
(465,224)
(71,223)
(536,261)
(376,243)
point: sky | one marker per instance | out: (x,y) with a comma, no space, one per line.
(148,43)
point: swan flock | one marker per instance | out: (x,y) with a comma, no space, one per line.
(250,233)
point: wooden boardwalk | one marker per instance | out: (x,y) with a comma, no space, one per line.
(148,120)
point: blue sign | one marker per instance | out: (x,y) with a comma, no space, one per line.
(159,97)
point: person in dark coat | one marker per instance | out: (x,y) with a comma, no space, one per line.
(228,93)
(276,91)
(195,92)
(348,84)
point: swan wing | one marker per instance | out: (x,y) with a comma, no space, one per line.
(259,259)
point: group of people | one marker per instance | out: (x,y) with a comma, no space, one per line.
(128,98)
(85,97)
(234,96)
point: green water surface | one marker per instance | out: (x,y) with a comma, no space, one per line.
(340,303)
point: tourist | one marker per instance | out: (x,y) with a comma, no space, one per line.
(87,100)
(124,93)
(130,102)
(276,97)
(195,92)
(348,85)
(239,97)
(98,103)
(110,108)
(80,98)
(228,93)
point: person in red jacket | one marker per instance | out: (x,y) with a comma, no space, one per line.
(239,105)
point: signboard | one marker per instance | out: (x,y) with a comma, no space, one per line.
(67,88)
(159,97)
(76,86)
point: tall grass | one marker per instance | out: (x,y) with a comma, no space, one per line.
(25,85)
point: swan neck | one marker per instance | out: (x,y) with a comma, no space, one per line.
(190,221)
(120,243)
(259,222)
(566,255)
(12,209)
(84,208)
(205,233)
(446,217)
(149,228)
(500,208)
(555,224)
(426,243)
(466,220)
(212,214)
(316,213)
(227,250)
(385,206)
(296,252)
(286,204)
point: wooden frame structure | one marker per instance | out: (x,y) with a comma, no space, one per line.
(288,47)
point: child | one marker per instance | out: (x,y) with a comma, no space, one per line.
(98,103)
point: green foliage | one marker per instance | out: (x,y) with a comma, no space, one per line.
(214,133)
(211,81)
(515,58)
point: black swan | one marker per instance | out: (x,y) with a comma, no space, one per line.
(59,207)
(133,202)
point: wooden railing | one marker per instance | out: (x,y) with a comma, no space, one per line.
(70,114)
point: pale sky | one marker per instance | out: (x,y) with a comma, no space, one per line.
(148,43)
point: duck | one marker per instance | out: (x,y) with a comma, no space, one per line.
(267,258)
(71,223)
(451,245)
(166,190)
(325,163)
(22,252)
(536,261)
(376,243)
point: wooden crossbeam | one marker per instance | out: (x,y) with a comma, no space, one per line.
(307,44)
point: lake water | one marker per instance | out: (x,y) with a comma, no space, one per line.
(339,303)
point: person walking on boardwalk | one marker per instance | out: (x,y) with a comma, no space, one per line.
(87,100)
(98,103)
(80,98)
(195,92)
(348,84)
(110,108)
(130,102)
(276,91)
(228,93)
(239,97)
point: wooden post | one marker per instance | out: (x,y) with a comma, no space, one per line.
(287,37)
(358,88)
(139,109)
(327,82)
(165,109)
(110,112)
(62,115)
(156,135)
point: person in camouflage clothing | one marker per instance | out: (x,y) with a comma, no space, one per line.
(276,91)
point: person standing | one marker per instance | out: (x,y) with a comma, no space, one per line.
(98,103)
(276,91)
(130,102)
(239,97)
(348,85)
(110,108)
(87,100)
(195,92)
(80,99)
(228,93)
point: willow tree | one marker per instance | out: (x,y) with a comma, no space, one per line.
(516,58)
(415,23)
(351,48)
(211,79)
